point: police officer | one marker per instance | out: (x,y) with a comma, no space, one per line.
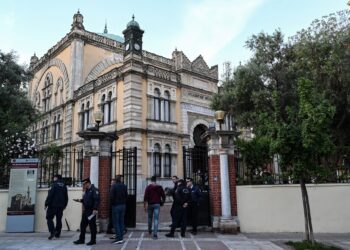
(182,198)
(55,203)
(196,196)
(175,180)
(91,201)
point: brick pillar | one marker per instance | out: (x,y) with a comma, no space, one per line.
(233,184)
(104,184)
(86,167)
(215,185)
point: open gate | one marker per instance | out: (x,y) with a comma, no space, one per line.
(195,163)
(124,161)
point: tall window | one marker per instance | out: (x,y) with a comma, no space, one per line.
(167,161)
(167,106)
(109,107)
(45,131)
(156,104)
(106,105)
(47,92)
(157,160)
(57,130)
(87,115)
(81,117)
(104,108)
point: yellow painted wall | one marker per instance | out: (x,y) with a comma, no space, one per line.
(120,104)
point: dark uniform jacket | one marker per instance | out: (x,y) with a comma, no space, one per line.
(196,194)
(91,198)
(119,193)
(182,196)
(58,195)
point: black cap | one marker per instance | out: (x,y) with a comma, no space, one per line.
(87,180)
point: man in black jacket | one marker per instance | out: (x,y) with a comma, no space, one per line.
(56,202)
(196,196)
(91,201)
(118,194)
(181,201)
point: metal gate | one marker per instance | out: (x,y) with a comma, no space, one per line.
(124,162)
(195,162)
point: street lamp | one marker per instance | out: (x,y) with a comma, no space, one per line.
(219,116)
(98,115)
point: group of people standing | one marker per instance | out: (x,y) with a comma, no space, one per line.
(186,199)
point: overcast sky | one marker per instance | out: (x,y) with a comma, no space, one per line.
(216,29)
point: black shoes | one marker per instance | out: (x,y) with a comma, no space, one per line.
(77,242)
(183,235)
(51,236)
(194,232)
(170,235)
(90,243)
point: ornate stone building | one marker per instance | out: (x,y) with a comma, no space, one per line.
(154,103)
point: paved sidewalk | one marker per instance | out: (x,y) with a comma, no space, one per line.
(141,240)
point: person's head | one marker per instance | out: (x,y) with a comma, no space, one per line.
(175,179)
(181,182)
(86,183)
(189,182)
(153,178)
(118,179)
(113,182)
(57,177)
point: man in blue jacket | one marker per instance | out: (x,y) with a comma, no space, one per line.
(55,203)
(91,201)
(196,196)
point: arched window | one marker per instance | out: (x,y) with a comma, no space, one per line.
(156,104)
(157,160)
(87,115)
(103,108)
(109,104)
(167,106)
(167,161)
(81,116)
(57,133)
(47,92)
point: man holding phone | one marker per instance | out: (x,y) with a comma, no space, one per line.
(91,201)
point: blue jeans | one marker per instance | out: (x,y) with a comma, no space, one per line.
(153,209)
(118,213)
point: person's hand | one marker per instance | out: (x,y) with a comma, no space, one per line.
(185,204)
(94,212)
(77,200)
(45,207)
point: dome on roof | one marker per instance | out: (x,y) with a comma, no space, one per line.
(133,23)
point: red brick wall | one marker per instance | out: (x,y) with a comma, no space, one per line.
(232,176)
(214,185)
(104,185)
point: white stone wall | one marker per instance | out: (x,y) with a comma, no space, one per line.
(72,213)
(278,208)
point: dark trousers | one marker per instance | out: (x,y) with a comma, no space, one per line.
(92,225)
(179,219)
(193,216)
(50,214)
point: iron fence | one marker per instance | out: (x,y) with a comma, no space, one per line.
(69,164)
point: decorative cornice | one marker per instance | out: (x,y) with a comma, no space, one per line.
(153,57)
(86,36)
(161,73)
(95,84)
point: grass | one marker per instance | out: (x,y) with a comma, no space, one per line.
(308,245)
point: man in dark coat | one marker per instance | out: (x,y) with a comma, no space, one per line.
(55,203)
(91,201)
(181,202)
(196,196)
(119,194)
(175,180)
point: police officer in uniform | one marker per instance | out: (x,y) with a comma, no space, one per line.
(55,203)
(91,201)
(196,196)
(182,198)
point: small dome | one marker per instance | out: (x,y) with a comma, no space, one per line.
(133,23)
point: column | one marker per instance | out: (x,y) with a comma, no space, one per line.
(225,186)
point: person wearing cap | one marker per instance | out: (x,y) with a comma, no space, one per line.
(91,201)
(55,203)
(182,198)
(196,196)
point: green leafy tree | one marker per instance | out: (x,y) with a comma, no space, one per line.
(16,111)
(297,93)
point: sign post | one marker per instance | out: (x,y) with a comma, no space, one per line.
(22,195)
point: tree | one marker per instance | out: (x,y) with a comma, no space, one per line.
(297,93)
(16,111)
